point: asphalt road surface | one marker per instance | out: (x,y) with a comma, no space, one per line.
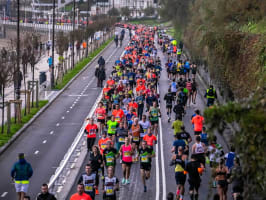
(162,179)
(47,140)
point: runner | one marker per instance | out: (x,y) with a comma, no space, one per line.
(144,124)
(197,121)
(112,125)
(169,98)
(100,113)
(154,114)
(90,181)
(194,170)
(179,161)
(135,135)
(110,185)
(145,154)
(199,150)
(221,174)
(110,155)
(91,130)
(126,151)
(177,124)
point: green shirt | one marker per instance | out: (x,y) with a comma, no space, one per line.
(111,126)
(177,126)
(154,114)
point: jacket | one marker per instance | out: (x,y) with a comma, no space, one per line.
(21,170)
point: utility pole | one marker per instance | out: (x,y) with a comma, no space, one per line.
(87,39)
(53,43)
(73,39)
(18,54)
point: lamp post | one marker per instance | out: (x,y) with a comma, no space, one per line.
(18,53)
(52,72)
(73,39)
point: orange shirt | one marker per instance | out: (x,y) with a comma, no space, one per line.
(102,143)
(110,82)
(135,130)
(84,196)
(141,88)
(198,122)
(140,80)
(118,114)
(105,92)
(149,139)
(100,112)
(91,130)
(134,105)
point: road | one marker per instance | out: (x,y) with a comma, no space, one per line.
(48,138)
(162,178)
(46,141)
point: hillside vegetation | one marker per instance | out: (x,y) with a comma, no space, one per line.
(229,38)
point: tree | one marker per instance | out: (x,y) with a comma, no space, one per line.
(149,11)
(61,46)
(5,80)
(113,12)
(125,12)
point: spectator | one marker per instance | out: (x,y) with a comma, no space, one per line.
(21,172)
(45,195)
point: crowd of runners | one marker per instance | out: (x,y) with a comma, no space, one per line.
(126,121)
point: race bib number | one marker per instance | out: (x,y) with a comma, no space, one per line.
(109,160)
(109,191)
(121,139)
(135,138)
(103,146)
(127,154)
(89,188)
(144,159)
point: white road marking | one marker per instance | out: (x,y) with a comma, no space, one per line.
(57,124)
(52,132)
(4,194)
(78,95)
(44,141)
(67,111)
(70,107)
(63,117)
(36,152)
(162,160)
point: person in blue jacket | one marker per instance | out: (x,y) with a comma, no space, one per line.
(21,172)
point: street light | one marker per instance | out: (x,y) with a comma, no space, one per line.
(18,54)
(52,73)
(73,39)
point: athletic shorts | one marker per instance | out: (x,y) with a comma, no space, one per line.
(197,132)
(109,197)
(21,187)
(169,106)
(237,189)
(136,142)
(110,134)
(145,166)
(194,184)
(127,163)
(222,183)
(101,121)
(154,122)
(180,178)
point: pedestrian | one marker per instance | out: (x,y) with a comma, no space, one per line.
(100,74)
(101,61)
(210,95)
(80,195)
(21,172)
(45,195)
(50,63)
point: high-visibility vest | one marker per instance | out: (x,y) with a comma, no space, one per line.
(178,52)
(210,96)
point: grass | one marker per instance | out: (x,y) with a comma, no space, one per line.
(255,28)
(148,22)
(174,33)
(80,65)
(4,138)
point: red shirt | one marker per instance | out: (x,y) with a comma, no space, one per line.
(105,92)
(141,88)
(91,130)
(84,196)
(110,82)
(102,143)
(100,112)
(149,139)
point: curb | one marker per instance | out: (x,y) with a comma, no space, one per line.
(25,126)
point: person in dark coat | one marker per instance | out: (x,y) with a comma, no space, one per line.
(101,62)
(100,74)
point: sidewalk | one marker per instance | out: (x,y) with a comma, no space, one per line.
(42,66)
